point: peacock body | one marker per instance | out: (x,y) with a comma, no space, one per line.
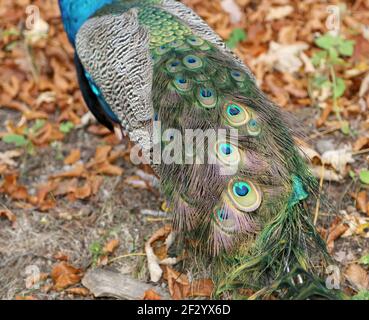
(244,207)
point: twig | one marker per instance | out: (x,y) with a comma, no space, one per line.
(137,254)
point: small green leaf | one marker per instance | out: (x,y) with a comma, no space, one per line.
(237,35)
(345,128)
(346,47)
(352,174)
(364,259)
(321,81)
(327,41)
(364,176)
(16,139)
(333,53)
(66,127)
(318,57)
(340,88)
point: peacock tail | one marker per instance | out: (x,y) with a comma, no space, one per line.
(238,200)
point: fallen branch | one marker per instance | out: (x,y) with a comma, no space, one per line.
(106,283)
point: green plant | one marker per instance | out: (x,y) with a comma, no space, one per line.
(331,56)
(237,35)
(364,259)
(364,176)
(96,250)
(66,127)
(19,141)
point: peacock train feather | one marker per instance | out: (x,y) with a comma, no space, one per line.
(244,213)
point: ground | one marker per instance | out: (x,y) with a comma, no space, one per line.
(71,199)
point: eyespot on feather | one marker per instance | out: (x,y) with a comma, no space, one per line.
(253,127)
(238,75)
(236,114)
(207,97)
(245,195)
(182,84)
(195,41)
(192,62)
(173,66)
(227,153)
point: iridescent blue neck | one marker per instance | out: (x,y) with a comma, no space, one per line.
(76,12)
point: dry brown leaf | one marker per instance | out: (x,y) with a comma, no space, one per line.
(102,153)
(8,156)
(84,292)
(11,187)
(9,215)
(109,169)
(201,288)
(95,182)
(84,191)
(111,246)
(152,260)
(362,201)
(178,284)
(65,275)
(361,143)
(77,171)
(335,232)
(151,294)
(358,277)
(73,157)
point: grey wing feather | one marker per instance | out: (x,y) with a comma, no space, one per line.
(114,50)
(200,28)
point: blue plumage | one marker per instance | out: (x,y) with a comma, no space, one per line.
(74,14)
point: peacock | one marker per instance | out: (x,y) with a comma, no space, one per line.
(154,71)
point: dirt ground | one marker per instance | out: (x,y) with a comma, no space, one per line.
(47,229)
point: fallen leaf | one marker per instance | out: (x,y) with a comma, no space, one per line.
(73,157)
(178,284)
(362,201)
(11,187)
(84,292)
(151,295)
(65,275)
(77,171)
(109,169)
(232,8)
(334,234)
(201,288)
(9,215)
(358,277)
(284,58)
(276,13)
(84,191)
(111,246)
(361,143)
(8,156)
(152,260)
(338,159)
